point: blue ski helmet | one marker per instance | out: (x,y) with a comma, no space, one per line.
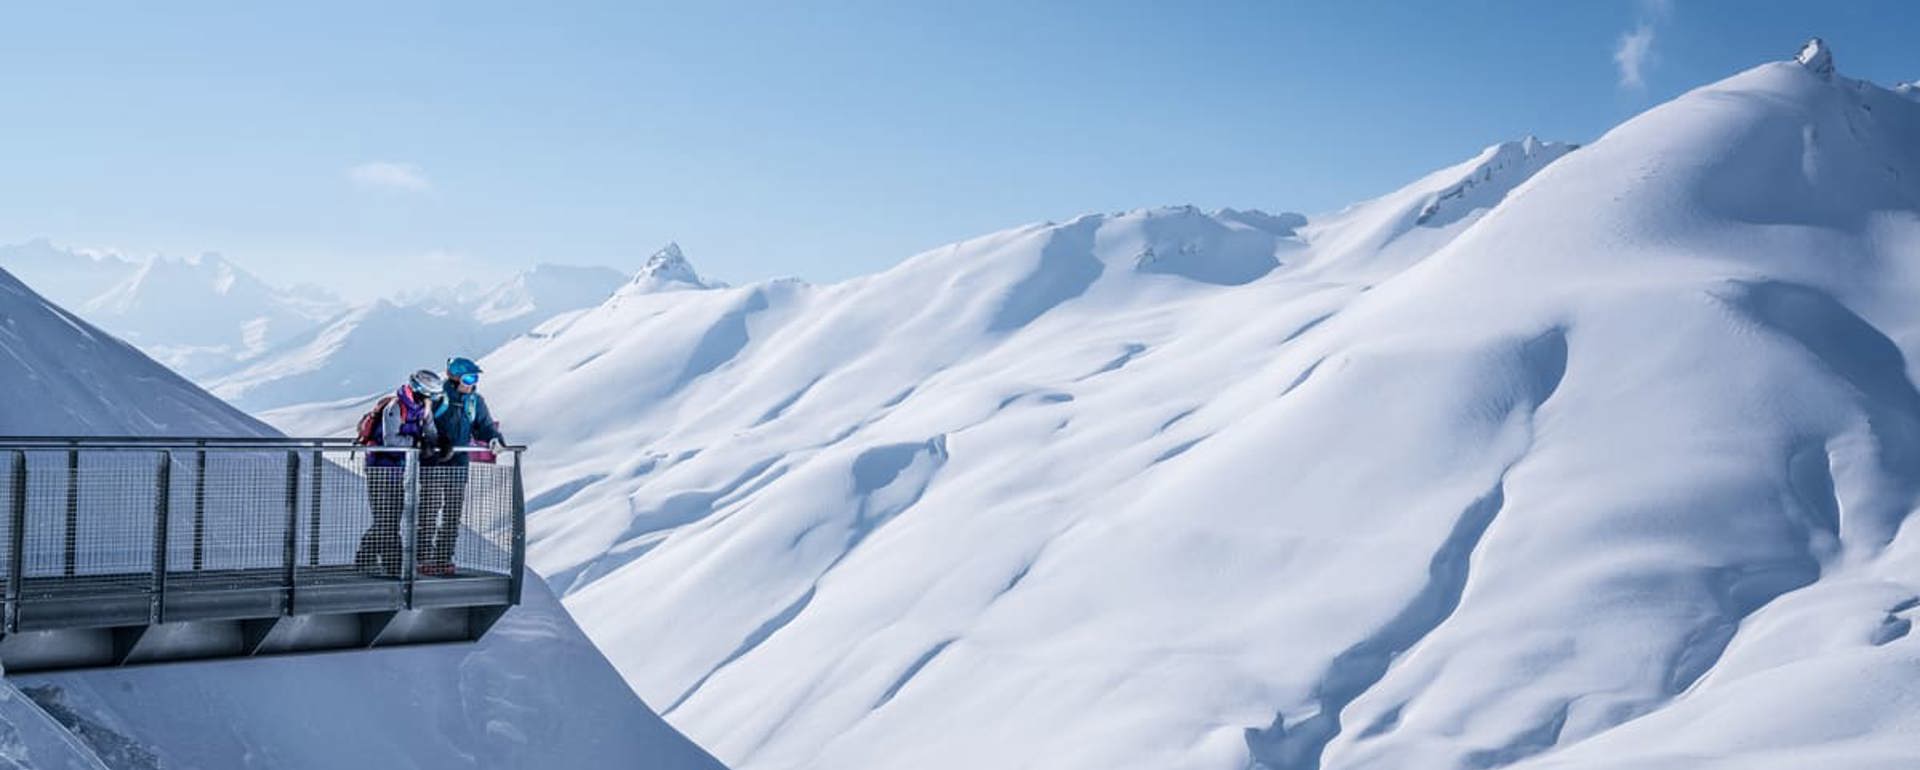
(458,366)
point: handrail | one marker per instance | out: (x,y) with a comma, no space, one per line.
(191,440)
(262,444)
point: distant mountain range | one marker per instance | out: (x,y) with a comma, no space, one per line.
(261,346)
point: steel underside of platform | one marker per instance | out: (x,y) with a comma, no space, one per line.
(118,552)
(92,627)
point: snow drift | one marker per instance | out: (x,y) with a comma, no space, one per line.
(1558,458)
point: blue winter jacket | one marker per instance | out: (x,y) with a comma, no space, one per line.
(460,419)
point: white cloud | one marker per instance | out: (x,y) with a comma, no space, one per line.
(389,175)
(1633,54)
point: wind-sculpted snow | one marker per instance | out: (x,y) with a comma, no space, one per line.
(1555,458)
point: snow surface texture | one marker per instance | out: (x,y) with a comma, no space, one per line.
(1554,459)
(534,693)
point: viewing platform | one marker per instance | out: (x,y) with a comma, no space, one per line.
(120,551)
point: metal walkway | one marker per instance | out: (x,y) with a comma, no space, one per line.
(136,550)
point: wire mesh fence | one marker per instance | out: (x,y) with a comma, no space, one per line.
(145,518)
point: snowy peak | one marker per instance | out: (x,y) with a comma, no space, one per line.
(1817,58)
(159,280)
(666,270)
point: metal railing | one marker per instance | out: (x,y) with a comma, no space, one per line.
(137,532)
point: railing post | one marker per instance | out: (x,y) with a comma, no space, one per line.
(72,541)
(17,541)
(409,525)
(313,521)
(200,506)
(162,503)
(518,564)
(293,522)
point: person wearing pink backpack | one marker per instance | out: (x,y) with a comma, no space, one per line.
(400,420)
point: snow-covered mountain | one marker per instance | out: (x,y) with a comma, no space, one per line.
(667,270)
(64,376)
(197,315)
(261,346)
(69,277)
(534,693)
(373,347)
(1588,459)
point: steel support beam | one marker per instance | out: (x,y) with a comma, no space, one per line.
(162,502)
(16,540)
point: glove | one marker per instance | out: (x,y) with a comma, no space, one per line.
(496,446)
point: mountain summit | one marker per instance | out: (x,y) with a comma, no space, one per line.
(666,270)
(1817,58)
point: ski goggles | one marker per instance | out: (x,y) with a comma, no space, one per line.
(470,379)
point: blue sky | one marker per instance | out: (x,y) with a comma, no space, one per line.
(342,142)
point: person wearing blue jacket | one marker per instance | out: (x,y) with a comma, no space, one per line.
(460,419)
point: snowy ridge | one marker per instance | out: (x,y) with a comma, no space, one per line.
(1551,459)
(1378,238)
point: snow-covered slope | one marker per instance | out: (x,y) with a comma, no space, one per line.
(1600,458)
(373,347)
(533,694)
